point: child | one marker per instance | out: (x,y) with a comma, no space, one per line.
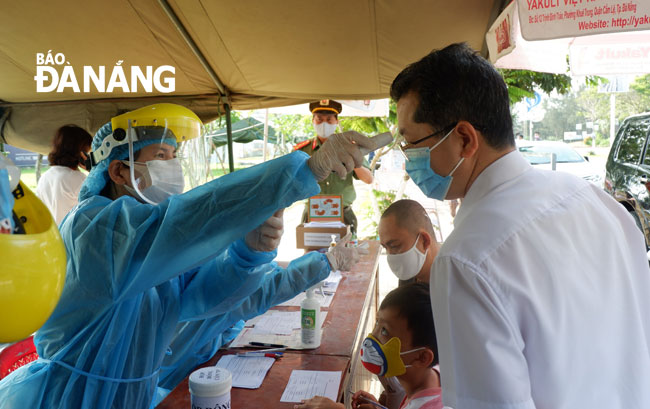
(402,344)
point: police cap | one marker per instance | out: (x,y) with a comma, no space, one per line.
(325,106)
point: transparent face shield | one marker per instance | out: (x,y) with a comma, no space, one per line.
(162,163)
(195,158)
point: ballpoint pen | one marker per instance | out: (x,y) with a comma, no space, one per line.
(268,350)
(372,402)
(264,344)
(275,355)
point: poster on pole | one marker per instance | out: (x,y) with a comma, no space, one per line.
(547,19)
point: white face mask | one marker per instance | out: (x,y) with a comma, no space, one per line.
(163,178)
(325,130)
(408,264)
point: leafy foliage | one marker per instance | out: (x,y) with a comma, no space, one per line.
(371,213)
(522,83)
(638,99)
(586,104)
(292,129)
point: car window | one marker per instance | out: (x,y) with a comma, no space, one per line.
(541,154)
(633,140)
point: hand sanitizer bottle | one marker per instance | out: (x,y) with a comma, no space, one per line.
(310,320)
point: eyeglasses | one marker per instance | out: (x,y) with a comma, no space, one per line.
(403,146)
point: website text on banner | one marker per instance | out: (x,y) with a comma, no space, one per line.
(546,19)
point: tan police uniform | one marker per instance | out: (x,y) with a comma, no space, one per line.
(333,185)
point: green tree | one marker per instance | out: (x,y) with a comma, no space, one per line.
(562,114)
(523,83)
(594,107)
(292,129)
(641,85)
(636,101)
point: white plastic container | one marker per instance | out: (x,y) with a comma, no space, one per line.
(310,320)
(210,388)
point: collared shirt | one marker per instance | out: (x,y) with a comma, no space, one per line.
(426,399)
(541,296)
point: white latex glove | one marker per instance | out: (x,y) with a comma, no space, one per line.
(339,154)
(267,236)
(341,257)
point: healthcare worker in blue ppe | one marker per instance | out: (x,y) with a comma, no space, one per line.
(142,257)
(195,342)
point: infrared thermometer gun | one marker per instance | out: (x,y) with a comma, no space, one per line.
(380,141)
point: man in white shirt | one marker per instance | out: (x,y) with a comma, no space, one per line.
(541,294)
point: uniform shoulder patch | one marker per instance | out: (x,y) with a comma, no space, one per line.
(301,145)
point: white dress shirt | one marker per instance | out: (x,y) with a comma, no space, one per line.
(541,296)
(59,189)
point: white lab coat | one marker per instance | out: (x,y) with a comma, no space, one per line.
(59,189)
(541,296)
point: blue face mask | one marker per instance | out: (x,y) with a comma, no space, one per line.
(418,167)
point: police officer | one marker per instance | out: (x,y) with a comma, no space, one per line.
(325,120)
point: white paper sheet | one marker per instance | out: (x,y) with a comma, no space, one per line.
(247,372)
(330,285)
(277,322)
(307,384)
(246,335)
(292,341)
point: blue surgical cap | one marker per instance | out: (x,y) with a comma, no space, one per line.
(98,175)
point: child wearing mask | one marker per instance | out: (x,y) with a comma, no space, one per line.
(402,344)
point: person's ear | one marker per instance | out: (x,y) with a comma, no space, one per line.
(469,137)
(425,358)
(426,239)
(83,162)
(116,172)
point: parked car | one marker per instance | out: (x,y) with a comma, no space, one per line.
(567,159)
(627,172)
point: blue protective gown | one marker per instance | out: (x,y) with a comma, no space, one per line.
(195,342)
(124,295)
(6,198)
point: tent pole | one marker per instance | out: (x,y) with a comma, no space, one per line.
(231,160)
(195,49)
(266,133)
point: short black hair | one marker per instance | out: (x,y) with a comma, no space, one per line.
(413,302)
(68,143)
(410,215)
(455,84)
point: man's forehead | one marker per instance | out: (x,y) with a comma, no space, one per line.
(390,229)
(405,111)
